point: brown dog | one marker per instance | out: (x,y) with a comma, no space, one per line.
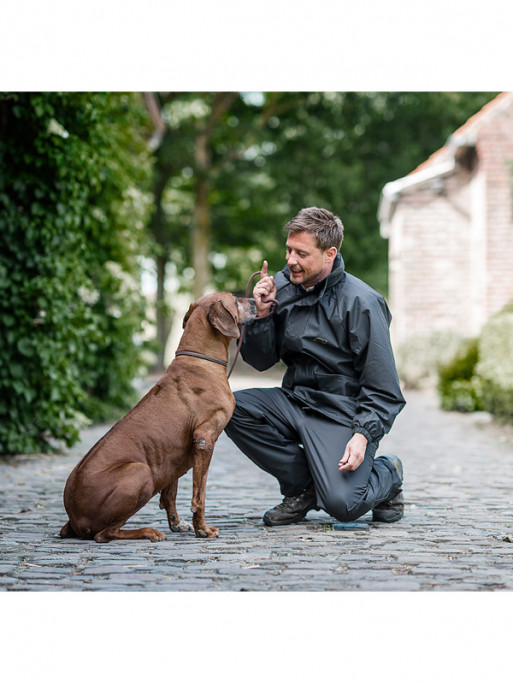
(173,428)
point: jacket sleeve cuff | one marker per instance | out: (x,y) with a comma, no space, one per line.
(363,432)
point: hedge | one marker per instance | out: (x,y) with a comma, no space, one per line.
(460,389)
(69,168)
(495,366)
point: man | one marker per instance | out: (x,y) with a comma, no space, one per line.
(318,433)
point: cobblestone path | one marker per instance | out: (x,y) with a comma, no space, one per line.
(457,532)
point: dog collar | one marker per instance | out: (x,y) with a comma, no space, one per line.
(202,356)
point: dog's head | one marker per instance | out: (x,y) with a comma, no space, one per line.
(225,312)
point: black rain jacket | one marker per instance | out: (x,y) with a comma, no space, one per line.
(335,343)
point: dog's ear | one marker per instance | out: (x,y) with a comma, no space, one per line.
(188,314)
(224,318)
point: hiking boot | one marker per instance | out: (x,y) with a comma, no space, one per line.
(392,509)
(292,509)
(389,511)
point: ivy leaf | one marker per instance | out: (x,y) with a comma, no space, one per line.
(25,346)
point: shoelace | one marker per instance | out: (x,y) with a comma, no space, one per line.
(287,501)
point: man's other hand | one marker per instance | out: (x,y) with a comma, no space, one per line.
(354,453)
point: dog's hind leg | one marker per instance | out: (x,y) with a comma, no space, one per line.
(113,532)
(133,488)
(168,503)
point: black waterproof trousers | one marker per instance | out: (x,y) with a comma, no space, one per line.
(300,446)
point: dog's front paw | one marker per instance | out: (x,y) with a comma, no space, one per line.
(181,527)
(209,531)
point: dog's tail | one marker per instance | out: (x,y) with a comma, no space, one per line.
(67,531)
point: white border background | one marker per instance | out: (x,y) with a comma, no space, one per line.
(266,45)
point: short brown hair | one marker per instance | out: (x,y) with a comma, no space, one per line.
(321,223)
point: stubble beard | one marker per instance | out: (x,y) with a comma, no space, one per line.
(301,279)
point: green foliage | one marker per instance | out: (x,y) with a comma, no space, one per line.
(459,388)
(480,375)
(115,231)
(270,154)
(495,366)
(69,163)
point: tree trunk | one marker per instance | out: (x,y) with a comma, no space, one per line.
(201,239)
(204,172)
(201,228)
(164,321)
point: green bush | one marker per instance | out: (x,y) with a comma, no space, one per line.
(459,388)
(495,365)
(480,375)
(69,165)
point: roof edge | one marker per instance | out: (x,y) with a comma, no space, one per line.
(433,167)
(392,191)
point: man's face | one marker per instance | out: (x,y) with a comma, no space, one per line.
(307,263)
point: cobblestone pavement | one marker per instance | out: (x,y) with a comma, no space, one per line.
(457,532)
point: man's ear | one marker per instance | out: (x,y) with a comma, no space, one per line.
(224,319)
(188,314)
(331,253)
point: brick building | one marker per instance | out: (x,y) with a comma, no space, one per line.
(450,229)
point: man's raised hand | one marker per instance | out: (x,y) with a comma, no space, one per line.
(264,290)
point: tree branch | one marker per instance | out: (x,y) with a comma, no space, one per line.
(222,103)
(153,108)
(274,107)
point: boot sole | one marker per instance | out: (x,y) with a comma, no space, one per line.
(299,518)
(396,517)
(271,523)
